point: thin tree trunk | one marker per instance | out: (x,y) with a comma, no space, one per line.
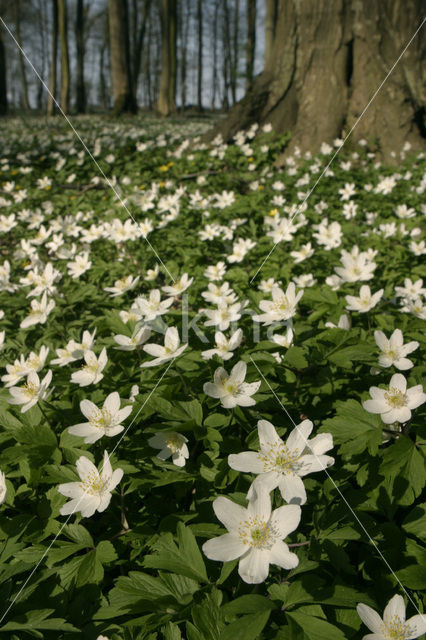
(234,57)
(124,100)
(251,41)
(227,61)
(200,56)
(139,45)
(3,84)
(214,72)
(167,96)
(65,64)
(25,101)
(79,38)
(42,34)
(53,62)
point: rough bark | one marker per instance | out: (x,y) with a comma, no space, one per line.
(80,102)
(53,62)
(65,64)
(167,95)
(328,59)
(124,100)
(25,100)
(3,85)
(251,42)
(270,23)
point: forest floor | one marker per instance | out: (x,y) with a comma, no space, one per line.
(176,318)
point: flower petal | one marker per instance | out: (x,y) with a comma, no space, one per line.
(229,513)
(370,618)
(281,556)
(394,608)
(247,462)
(286,519)
(224,548)
(254,567)
(299,436)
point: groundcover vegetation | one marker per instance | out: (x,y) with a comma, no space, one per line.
(153,377)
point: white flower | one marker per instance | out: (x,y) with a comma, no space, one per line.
(231,389)
(215,272)
(255,535)
(171,444)
(90,373)
(178,287)
(393,624)
(411,290)
(395,404)
(267,285)
(151,274)
(394,350)
(170,350)
(2,487)
(39,312)
(102,422)
(153,306)
(93,493)
(224,346)
(15,372)
(31,392)
(305,251)
(130,343)
(35,362)
(283,341)
(122,285)
(366,300)
(283,464)
(80,265)
(224,315)
(343,323)
(282,306)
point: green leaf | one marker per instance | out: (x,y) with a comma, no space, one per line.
(415,522)
(316,628)
(172,632)
(246,628)
(185,560)
(295,357)
(354,428)
(247,604)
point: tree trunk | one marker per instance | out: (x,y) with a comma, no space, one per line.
(124,100)
(25,100)
(328,59)
(167,96)
(43,38)
(251,41)
(53,62)
(270,23)
(3,85)
(79,38)
(200,56)
(65,64)
(227,61)
(139,45)
(235,52)
(214,72)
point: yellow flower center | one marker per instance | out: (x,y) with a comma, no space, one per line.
(257,533)
(279,458)
(396,629)
(174,442)
(93,484)
(31,389)
(101,418)
(395,398)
